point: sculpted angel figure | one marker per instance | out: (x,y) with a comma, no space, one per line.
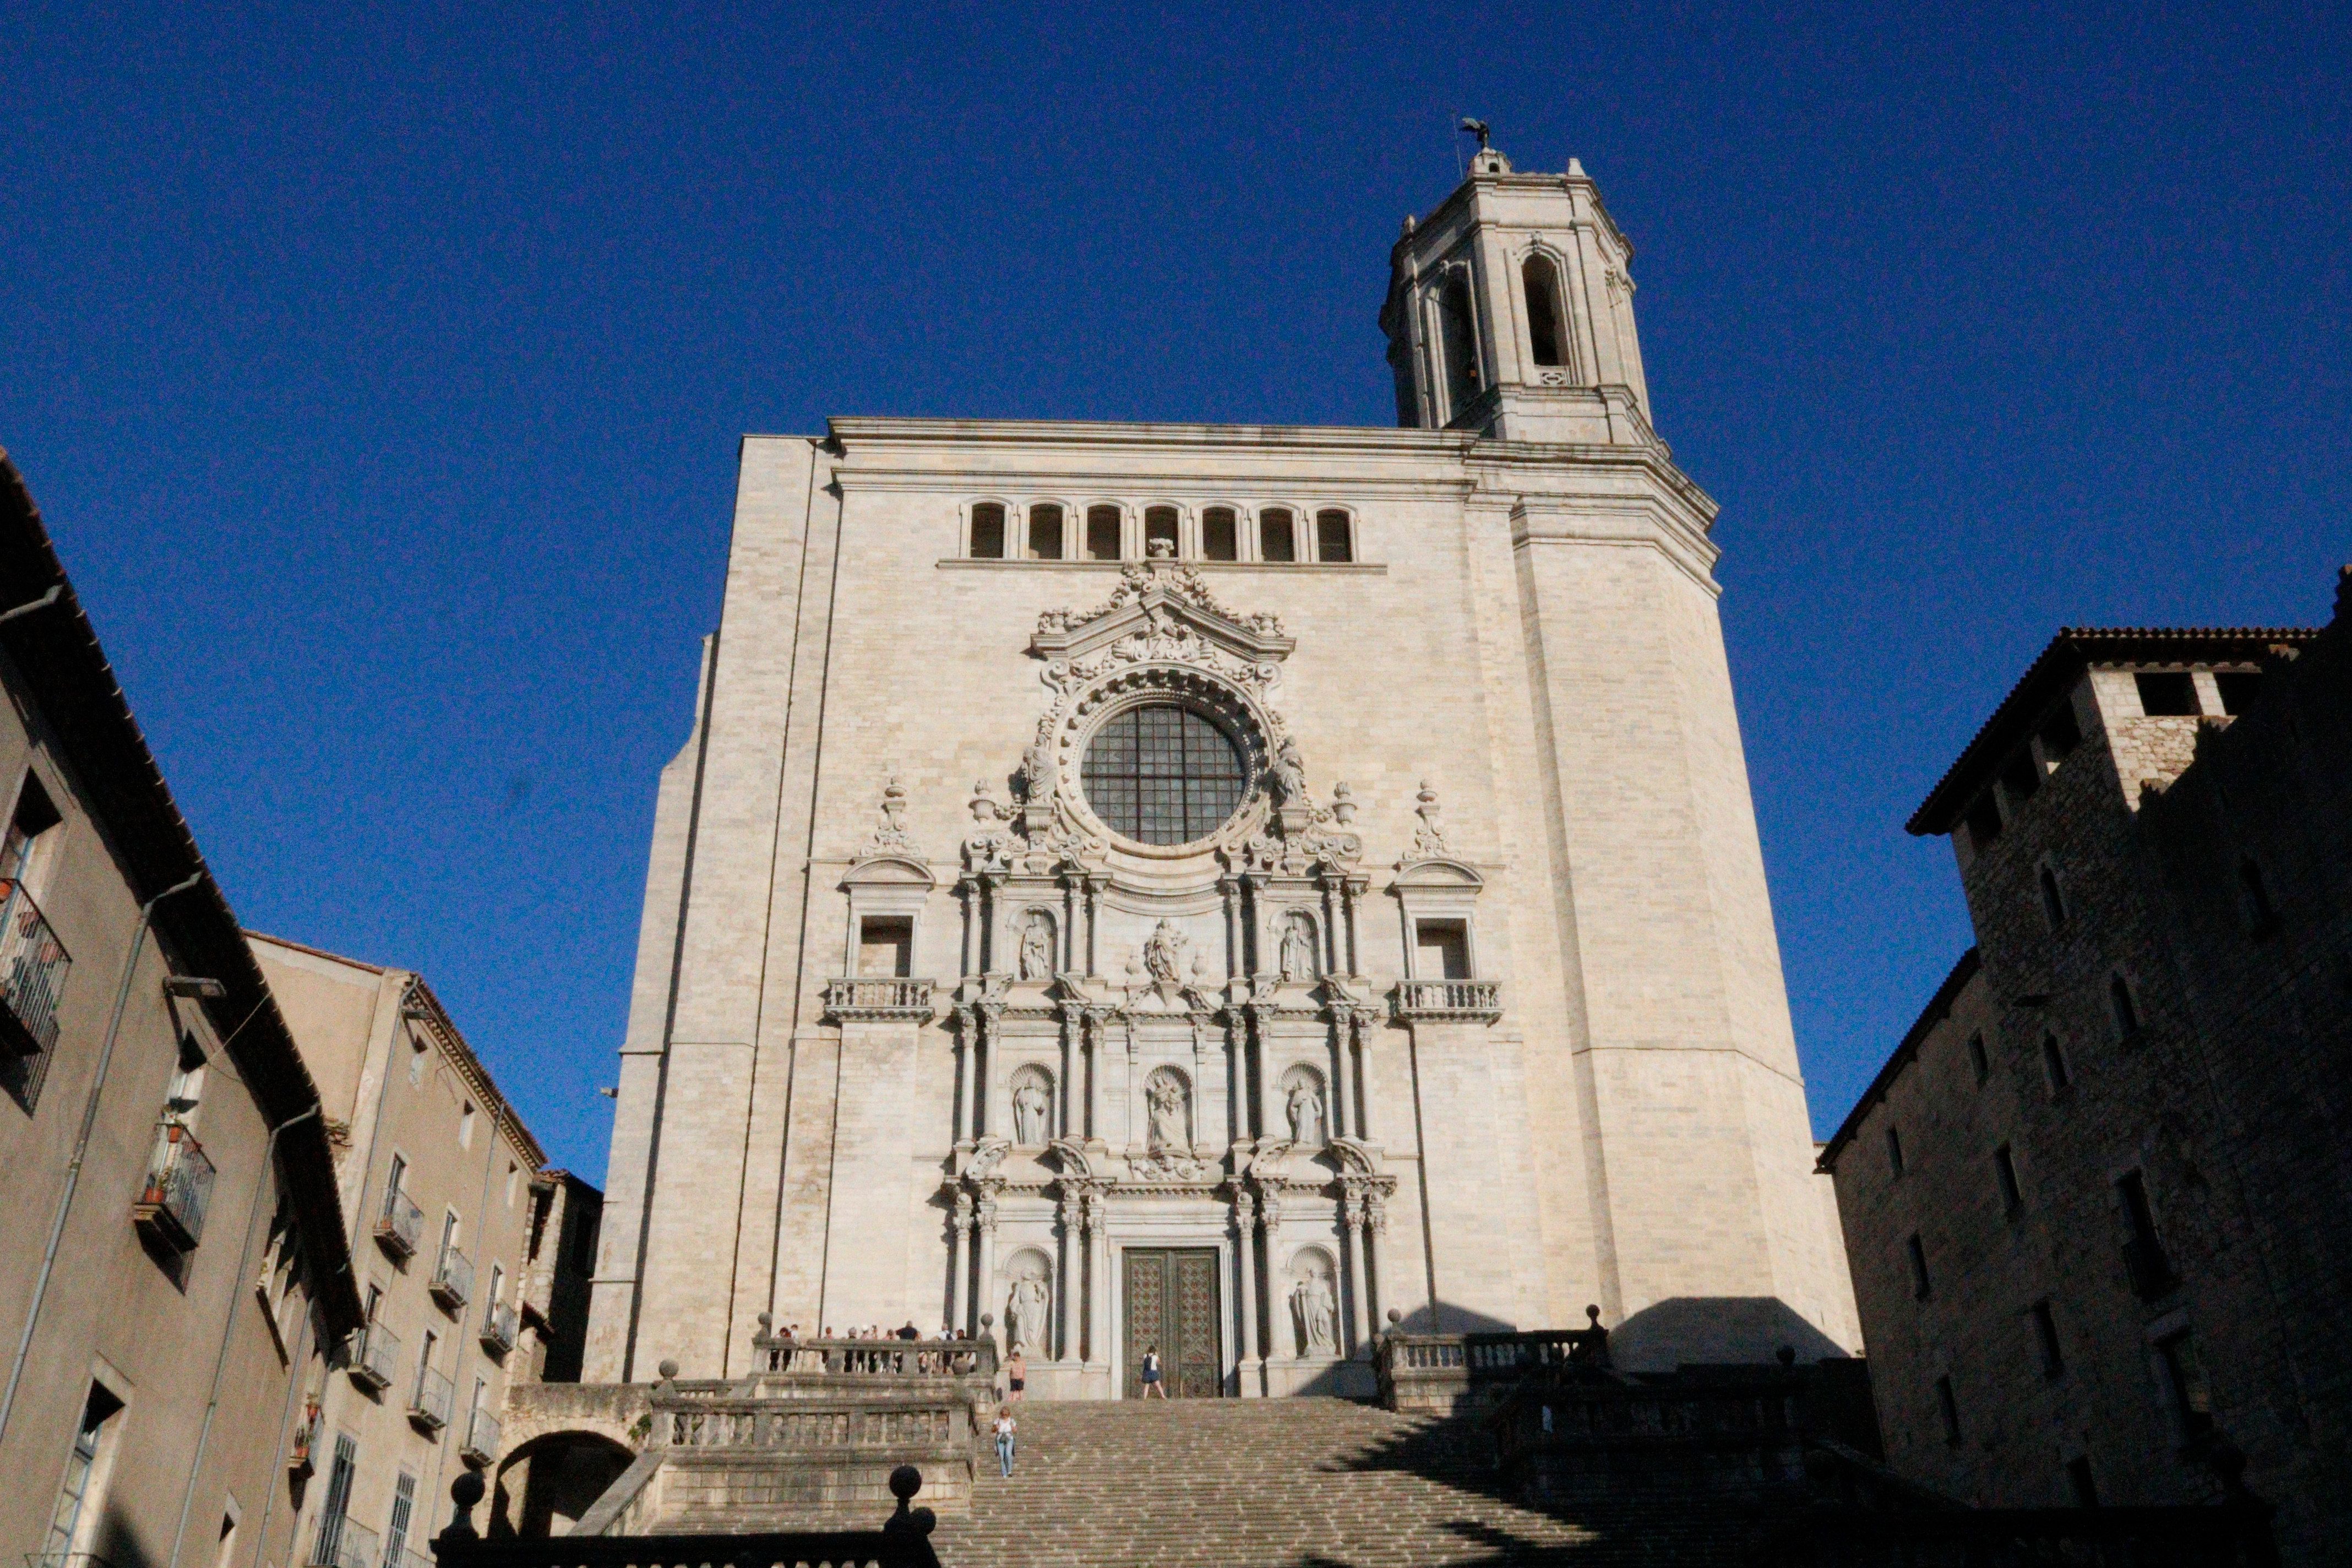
(1165,1098)
(1305,1108)
(1037,947)
(1031,1105)
(1317,1314)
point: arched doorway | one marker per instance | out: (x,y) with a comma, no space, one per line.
(545,1484)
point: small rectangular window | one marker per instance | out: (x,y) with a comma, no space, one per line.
(2079,1483)
(886,947)
(2167,694)
(1894,1150)
(466,1126)
(2127,1015)
(1276,540)
(2045,1340)
(2022,775)
(1978,1062)
(1333,539)
(1921,1287)
(2053,1064)
(2004,1175)
(1984,820)
(1102,534)
(987,532)
(20,851)
(1949,1409)
(1159,531)
(2184,1382)
(2148,1265)
(2060,733)
(2239,689)
(1443,950)
(1045,533)
(1219,537)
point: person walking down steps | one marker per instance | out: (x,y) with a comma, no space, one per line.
(1151,1382)
(1004,1430)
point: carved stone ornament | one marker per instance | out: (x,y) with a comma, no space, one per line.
(989,845)
(1429,838)
(1070,1155)
(986,1155)
(890,837)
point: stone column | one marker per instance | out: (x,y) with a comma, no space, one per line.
(984,1050)
(1097,1282)
(1068,958)
(1360,1309)
(1252,1371)
(967,1071)
(1094,886)
(1339,1115)
(987,1286)
(1351,890)
(1277,1344)
(1359,1042)
(960,1253)
(1258,1046)
(1376,1226)
(1090,1043)
(1064,1094)
(1072,1268)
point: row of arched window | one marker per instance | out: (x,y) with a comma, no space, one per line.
(1108,530)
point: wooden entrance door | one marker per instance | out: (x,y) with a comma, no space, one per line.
(1171,1303)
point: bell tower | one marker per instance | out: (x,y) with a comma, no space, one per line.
(1510,312)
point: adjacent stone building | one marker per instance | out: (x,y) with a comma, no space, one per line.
(462,1258)
(173,1266)
(1223,887)
(2097,1201)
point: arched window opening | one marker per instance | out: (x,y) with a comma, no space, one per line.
(987,532)
(1546,320)
(1276,535)
(1159,528)
(1457,343)
(1333,539)
(1102,534)
(2119,999)
(1220,536)
(1044,531)
(2054,903)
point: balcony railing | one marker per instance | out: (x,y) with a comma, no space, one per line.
(375,1359)
(860,1361)
(498,1328)
(481,1444)
(453,1278)
(866,1000)
(402,1222)
(32,968)
(428,1405)
(1449,999)
(170,1205)
(343,1542)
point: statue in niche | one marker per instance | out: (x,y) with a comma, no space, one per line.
(1289,774)
(1024,1311)
(1037,947)
(1169,1103)
(1163,953)
(1315,1313)
(1298,948)
(1032,1109)
(1305,1110)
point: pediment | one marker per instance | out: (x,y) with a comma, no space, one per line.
(1161,603)
(889,871)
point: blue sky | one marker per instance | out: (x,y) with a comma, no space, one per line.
(380,372)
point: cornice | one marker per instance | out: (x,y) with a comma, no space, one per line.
(847,432)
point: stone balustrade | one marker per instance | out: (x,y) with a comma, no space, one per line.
(874,1359)
(1453,1372)
(1442,1001)
(866,1001)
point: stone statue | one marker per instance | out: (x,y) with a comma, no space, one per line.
(1031,1112)
(1037,949)
(1025,1314)
(1163,953)
(1298,948)
(1317,1315)
(1305,1111)
(1166,1098)
(1289,774)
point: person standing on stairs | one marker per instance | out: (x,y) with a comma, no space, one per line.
(1004,1430)
(1017,1375)
(1151,1380)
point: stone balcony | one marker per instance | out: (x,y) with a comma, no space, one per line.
(1449,1001)
(860,1001)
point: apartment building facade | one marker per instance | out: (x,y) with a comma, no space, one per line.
(174,1267)
(2096,1200)
(441,1184)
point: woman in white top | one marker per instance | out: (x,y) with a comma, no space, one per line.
(1004,1430)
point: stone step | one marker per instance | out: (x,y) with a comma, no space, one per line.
(1289,1483)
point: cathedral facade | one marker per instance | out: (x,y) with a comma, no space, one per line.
(1227,890)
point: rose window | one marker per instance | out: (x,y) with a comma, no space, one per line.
(1164,774)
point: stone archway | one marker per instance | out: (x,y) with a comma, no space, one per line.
(544,1486)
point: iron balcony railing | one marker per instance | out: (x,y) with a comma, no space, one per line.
(481,1444)
(341,1541)
(170,1204)
(498,1328)
(32,968)
(428,1407)
(375,1359)
(402,1222)
(453,1278)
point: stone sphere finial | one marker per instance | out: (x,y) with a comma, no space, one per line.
(668,1369)
(467,1489)
(1592,1316)
(766,1321)
(905,1482)
(1395,1317)
(1786,1355)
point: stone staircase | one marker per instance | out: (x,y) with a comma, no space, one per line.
(1290,1483)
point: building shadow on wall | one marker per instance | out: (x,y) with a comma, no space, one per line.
(1716,1331)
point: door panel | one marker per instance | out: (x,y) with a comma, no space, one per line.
(1171,1303)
